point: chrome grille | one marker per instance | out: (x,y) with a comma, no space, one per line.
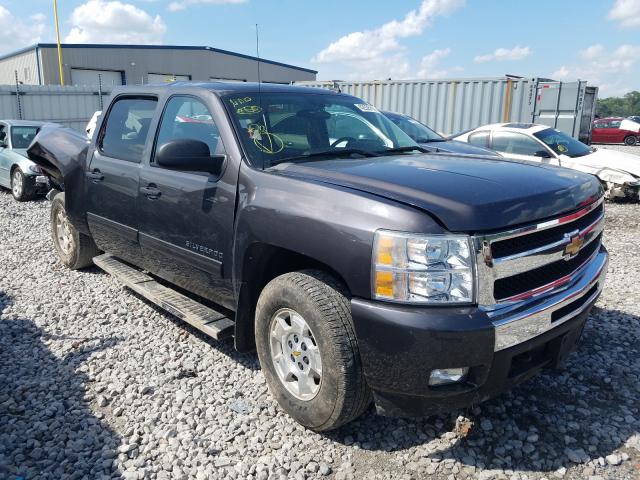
(536,259)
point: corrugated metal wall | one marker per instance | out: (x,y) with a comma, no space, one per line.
(70,106)
(25,65)
(452,106)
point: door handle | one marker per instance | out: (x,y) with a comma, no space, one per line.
(151,192)
(95,175)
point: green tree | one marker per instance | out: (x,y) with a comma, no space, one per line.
(624,106)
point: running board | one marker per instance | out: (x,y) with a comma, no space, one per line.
(205,319)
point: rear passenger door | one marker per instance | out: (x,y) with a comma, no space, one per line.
(113,175)
(186,218)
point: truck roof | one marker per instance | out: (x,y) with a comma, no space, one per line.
(221,88)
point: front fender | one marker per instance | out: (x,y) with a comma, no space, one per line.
(331,225)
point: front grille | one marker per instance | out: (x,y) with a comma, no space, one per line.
(523,243)
(573,306)
(539,277)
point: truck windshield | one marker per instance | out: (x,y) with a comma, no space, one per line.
(21,136)
(277,126)
(562,144)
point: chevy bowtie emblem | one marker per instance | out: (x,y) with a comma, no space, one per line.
(574,246)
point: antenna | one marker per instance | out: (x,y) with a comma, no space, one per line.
(260,86)
(258,54)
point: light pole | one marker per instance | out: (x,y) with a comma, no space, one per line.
(55,14)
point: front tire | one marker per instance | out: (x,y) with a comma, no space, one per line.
(631,140)
(308,350)
(20,188)
(75,249)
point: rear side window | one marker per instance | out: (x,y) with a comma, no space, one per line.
(125,131)
(615,124)
(515,143)
(480,139)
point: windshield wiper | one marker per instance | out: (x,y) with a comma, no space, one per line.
(430,140)
(409,148)
(337,153)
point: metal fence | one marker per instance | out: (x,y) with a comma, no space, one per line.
(451,106)
(69,106)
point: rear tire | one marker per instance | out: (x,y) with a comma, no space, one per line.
(76,250)
(631,140)
(317,301)
(20,188)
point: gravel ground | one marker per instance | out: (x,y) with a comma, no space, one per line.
(96,383)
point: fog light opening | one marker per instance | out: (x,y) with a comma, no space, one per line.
(446,376)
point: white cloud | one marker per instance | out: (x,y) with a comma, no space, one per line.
(501,54)
(181,5)
(605,69)
(593,52)
(378,53)
(102,21)
(14,33)
(429,65)
(627,12)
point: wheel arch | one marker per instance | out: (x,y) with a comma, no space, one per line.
(262,263)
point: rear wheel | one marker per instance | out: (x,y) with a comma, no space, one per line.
(631,140)
(75,249)
(308,350)
(20,188)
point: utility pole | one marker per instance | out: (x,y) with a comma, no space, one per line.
(55,14)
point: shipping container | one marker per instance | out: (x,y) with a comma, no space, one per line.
(453,106)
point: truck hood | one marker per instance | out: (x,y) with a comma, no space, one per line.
(465,194)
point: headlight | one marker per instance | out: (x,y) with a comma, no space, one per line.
(35,168)
(413,268)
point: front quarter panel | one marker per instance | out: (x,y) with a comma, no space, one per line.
(331,225)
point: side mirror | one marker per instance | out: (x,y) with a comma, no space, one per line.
(542,154)
(189,155)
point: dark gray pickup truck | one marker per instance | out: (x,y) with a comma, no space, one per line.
(308,226)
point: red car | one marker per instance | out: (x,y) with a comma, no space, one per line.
(607,130)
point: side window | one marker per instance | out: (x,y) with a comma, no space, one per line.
(189,118)
(515,143)
(615,124)
(480,139)
(600,125)
(125,131)
(3,135)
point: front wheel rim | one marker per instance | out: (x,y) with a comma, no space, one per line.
(63,233)
(295,354)
(17,183)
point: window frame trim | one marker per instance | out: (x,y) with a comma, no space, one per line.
(105,123)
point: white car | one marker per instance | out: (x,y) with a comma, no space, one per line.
(91,126)
(619,172)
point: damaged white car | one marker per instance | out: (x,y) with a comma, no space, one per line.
(619,172)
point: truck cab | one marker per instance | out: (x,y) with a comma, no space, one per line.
(359,267)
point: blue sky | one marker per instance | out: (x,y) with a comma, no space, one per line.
(564,39)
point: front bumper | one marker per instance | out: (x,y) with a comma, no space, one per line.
(401,345)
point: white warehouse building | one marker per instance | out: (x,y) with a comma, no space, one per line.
(91,64)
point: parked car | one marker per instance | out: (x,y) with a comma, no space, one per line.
(24,178)
(619,172)
(360,268)
(432,141)
(610,130)
(91,126)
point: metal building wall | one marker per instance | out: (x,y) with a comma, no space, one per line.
(70,106)
(452,106)
(26,66)
(137,63)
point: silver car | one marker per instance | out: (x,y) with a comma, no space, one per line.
(25,179)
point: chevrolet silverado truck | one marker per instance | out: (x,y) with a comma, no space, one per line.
(309,227)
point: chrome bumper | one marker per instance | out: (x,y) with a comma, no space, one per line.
(534,317)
